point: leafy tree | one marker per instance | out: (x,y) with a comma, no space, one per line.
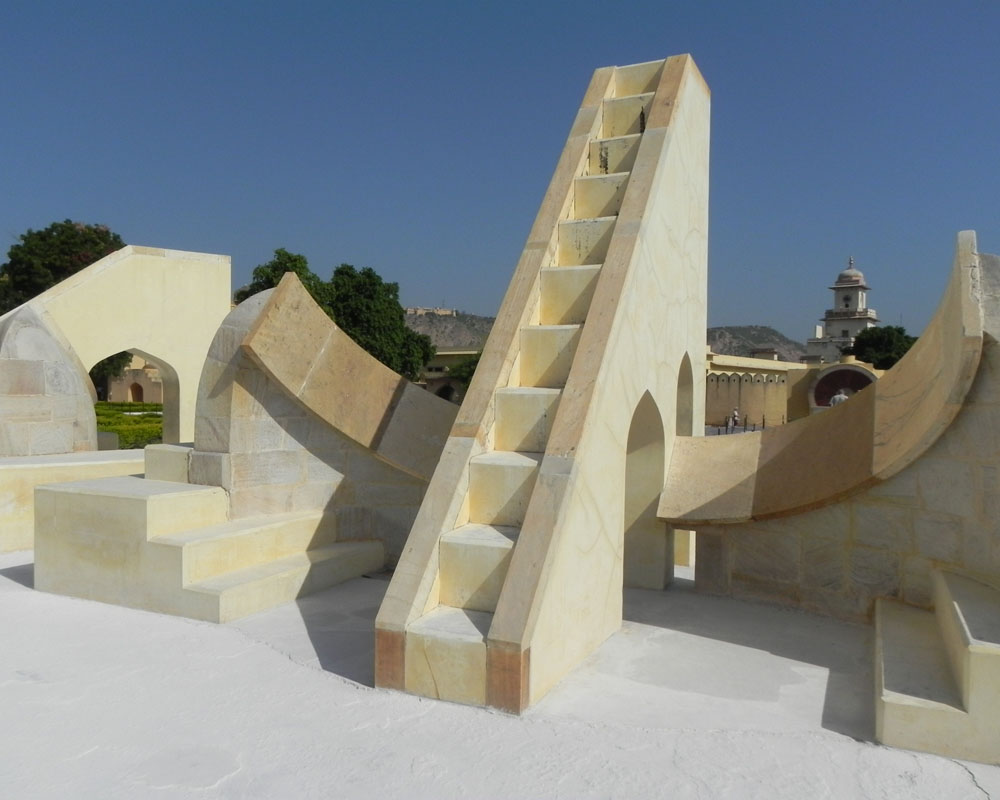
(881,347)
(364,306)
(465,369)
(267,276)
(368,310)
(41,259)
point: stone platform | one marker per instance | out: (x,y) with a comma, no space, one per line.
(695,697)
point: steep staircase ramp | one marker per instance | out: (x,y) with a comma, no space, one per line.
(274,501)
(937,673)
(513,570)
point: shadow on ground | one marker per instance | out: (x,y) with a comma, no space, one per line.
(758,632)
(23,574)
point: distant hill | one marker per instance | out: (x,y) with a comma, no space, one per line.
(741,340)
(459,332)
(469,332)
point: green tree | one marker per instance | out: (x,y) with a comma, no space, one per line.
(881,347)
(364,306)
(367,309)
(267,276)
(465,369)
(41,259)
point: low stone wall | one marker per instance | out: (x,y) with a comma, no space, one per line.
(20,476)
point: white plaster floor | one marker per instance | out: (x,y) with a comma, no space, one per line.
(696,697)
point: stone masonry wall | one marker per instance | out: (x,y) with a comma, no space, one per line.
(46,405)
(273,455)
(942,510)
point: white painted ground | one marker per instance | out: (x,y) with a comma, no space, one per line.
(697,698)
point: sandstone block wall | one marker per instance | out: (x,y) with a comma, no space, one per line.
(273,455)
(941,511)
(46,401)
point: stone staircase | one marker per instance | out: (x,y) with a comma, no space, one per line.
(171,547)
(445,648)
(937,673)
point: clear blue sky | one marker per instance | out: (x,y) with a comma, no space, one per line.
(419,137)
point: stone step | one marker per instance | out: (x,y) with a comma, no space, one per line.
(584,241)
(917,700)
(624,115)
(637,78)
(566,293)
(547,354)
(445,655)
(614,154)
(248,591)
(473,563)
(968,612)
(524,418)
(167,462)
(208,552)
(599,195)
(129,506)
(500,486)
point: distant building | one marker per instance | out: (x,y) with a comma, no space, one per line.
(841,324)
(141,383)
(421,311)
(436,376)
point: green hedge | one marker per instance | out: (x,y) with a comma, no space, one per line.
(134,431)
(104,405)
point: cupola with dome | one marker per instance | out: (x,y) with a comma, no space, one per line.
(849,316)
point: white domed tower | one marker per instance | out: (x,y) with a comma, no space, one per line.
(849,316)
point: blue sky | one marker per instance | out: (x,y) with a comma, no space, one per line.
(419,138)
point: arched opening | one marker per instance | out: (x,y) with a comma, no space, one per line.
(648,546)
(447,392)
(684,425)
(684,541)
(170,383)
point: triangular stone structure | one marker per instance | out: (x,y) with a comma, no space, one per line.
(544,500)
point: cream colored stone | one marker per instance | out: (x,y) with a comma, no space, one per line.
(566,293)
(278,582)
(637,78)
(167,462)
(843,450)
(500,485)
(938,676)
(625,115)
(684,548)
(165,305)
(616,154)
(547,353)
(599,195)
(562,594)
(446,655)
(20,476)
(584,241)
(524,417)
(474,561)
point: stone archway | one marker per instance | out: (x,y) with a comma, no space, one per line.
(684,422)
(648,561)
(135,393)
